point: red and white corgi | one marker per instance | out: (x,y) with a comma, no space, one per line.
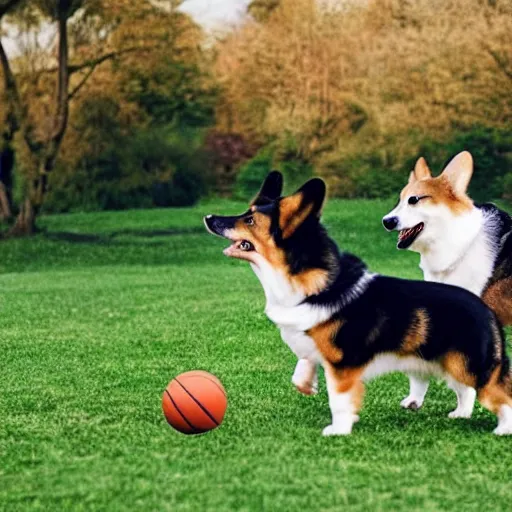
(332,312)
(460,243)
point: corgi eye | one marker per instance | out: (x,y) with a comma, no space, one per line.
(416,199)
(246,246)
(249,221)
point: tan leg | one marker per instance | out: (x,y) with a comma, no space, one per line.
(495,397)
(345,390)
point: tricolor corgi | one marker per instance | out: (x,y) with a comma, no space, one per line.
(460,243)
(333,312)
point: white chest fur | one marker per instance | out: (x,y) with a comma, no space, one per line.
(463,258)
(285,308)
(294,322)
(300,344)
(471,272)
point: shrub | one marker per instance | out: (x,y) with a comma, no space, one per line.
(289,159)
(490,148)
(140,171)
(378,183)
(295,174)
(370,174)
(226,151)
(507,187)
(252,174)
(295,171)
(383,172)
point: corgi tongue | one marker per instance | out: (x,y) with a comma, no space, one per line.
(405,233)
(409,234)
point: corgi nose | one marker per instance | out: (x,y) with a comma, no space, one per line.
(390,223)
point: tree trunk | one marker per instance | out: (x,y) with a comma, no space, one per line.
(5,204)
(6,166)
(25,224)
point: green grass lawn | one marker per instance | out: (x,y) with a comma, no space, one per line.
(98,313)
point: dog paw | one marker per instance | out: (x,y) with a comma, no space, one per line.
(460,413)
(335,430)
(306,388)
(305,378)
(504,427)
(411,402)
(503,430)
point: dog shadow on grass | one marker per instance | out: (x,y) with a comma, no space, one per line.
(409,421)
(112,238)
(383,420)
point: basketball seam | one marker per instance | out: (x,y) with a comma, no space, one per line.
(216,383)
(203,408)
(194,428)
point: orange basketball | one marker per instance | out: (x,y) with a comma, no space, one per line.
(194,402)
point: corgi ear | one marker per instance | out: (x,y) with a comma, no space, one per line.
(458,172)
(295,209)
(421,170)
(271,189)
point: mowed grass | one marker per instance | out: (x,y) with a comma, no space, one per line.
(102,310)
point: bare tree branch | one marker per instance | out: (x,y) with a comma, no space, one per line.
(94,63)
(82,82)
(75,68)
(107,56)
(61,117)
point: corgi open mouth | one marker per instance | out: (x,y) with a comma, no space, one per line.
(407,236)
(238,246)
(224,227)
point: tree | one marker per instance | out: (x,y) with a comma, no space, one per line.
(292,76)
(6,178)
(38,95)
(349,77)
(261,10)
(9,126)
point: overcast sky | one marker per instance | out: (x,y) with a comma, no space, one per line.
(213,15)
(216,14)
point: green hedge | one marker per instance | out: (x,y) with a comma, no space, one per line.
(145,170)
(251,175)
(492,153)
(154,168)
(380,172)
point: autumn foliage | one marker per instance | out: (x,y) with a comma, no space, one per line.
(115,72)
(130,104)
(367,81)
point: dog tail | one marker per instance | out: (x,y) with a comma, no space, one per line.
(506,368)
(506,375)
(500,353)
